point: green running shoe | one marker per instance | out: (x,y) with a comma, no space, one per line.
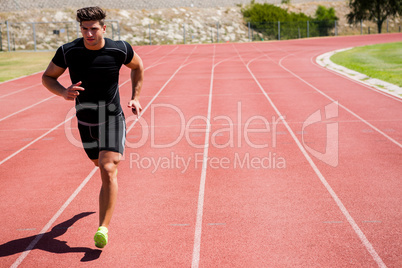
(101,237)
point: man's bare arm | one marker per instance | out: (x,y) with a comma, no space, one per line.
(50,81)
(137,78)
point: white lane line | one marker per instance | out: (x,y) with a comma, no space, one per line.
(153,50)
(200,206)
(52,220)
(328,97)
(35,140)
(25,88)
(156,63)
(334,196)
(26,108)
(20,90)
(340,105)
(24,76)
(201,193)
(161,89)
(361,83)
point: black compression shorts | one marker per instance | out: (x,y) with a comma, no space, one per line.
(108,136)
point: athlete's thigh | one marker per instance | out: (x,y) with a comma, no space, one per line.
(113,135)
(90,140)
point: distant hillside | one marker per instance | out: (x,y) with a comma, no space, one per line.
(14,5)
(173,25)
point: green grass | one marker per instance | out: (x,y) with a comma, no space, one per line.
(17,64)
(382,61)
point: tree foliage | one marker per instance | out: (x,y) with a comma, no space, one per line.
(256,12)
(325,19)
(264,19)
(374,10)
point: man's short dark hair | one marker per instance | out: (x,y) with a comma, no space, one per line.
(91,14)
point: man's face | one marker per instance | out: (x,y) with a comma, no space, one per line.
(92,32)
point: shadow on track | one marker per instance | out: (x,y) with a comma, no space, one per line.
(49,243)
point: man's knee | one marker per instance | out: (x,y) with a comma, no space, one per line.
(108,167)
(108,162)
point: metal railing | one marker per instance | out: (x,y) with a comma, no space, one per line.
(40,36)
(44,35)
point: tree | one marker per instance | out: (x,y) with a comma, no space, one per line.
(264,19)
(373,10)
(325,19)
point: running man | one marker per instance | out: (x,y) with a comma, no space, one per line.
(94,63)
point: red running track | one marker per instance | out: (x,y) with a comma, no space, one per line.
(247,155)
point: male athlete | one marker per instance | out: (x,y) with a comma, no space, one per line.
(94,63)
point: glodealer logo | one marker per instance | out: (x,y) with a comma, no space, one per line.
(331,154)
(166,126)
(234,131)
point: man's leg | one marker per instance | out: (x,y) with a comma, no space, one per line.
(108,162)
(112,136)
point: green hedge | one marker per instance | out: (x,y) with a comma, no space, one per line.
(264,18)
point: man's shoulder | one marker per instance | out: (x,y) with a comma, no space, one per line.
(77,43)
(119,48)
(117,44)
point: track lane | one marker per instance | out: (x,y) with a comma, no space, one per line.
(369,154)
(368,170)
(34,185)
(244,224)
(34,258)
(163,209)
(231,196)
